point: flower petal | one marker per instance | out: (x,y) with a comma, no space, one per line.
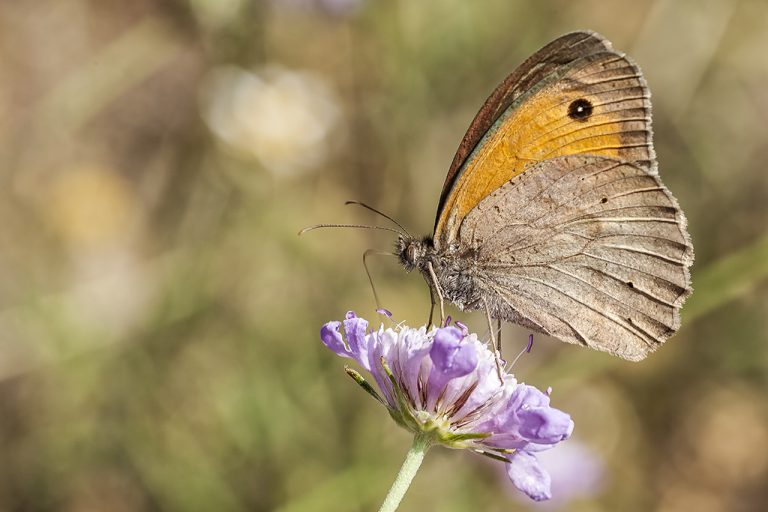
(527,474)
(381,345)
(451,358)
(531,397)
(545,425)
(414,345)
(355,328)
(526,421)
(331,337)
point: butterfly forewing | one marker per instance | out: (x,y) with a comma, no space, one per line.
(596,104)
(611,88)
(534,70)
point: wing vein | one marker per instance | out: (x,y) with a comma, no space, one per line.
(647,253)
(601,313)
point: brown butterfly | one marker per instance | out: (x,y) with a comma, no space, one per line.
(553,215)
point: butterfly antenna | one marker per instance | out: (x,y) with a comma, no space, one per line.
(374,210)
(357,226)
(368,271)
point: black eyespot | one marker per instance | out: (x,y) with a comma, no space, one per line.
(580,109)
(630,284)
(604,200)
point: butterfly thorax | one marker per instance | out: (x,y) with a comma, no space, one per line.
(453,270)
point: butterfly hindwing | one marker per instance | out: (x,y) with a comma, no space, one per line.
(591,250)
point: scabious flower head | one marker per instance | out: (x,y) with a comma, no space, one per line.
(444,383)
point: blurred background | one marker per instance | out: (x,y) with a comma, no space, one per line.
(159,315)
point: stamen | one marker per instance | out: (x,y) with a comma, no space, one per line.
(447,321)
(526,350)
(384,312)
(464,329)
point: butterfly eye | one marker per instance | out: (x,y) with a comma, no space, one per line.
(580,109)
(411,253)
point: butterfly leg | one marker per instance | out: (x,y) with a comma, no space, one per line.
(368,272)
(494,343)
(431,307)
(498,336)
(436,287)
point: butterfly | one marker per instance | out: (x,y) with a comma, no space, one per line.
(553,215)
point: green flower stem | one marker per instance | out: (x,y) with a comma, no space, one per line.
(408,470)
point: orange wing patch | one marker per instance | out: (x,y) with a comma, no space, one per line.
(600,106)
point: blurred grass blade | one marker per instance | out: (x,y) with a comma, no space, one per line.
(731,277)
(349,490)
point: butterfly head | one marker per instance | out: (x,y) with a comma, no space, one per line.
(413,253)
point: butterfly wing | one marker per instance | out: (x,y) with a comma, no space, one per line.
(592,250)
(574,96)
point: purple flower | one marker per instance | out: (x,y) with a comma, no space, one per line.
(445,383)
